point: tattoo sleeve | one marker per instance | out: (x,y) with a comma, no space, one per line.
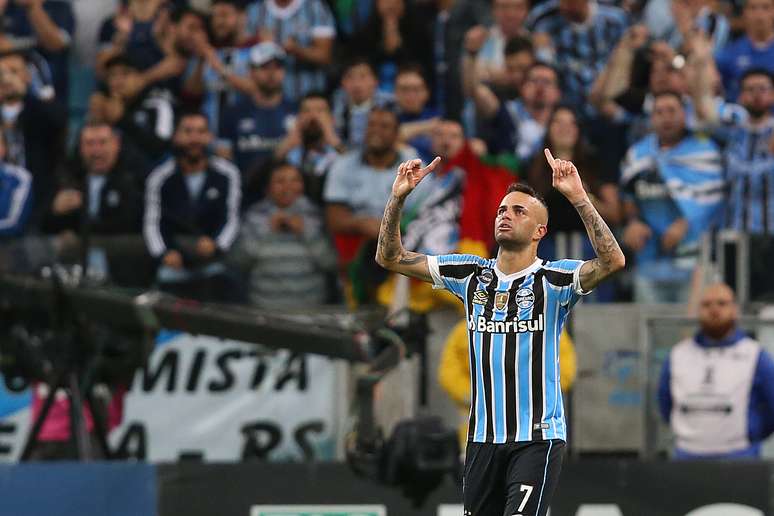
(609,258)
(389,249)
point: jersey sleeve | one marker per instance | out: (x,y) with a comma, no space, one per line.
(451,271)
(564,277)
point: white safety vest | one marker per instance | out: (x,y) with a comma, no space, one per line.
(711,395)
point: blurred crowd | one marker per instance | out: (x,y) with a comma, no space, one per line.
(251,144)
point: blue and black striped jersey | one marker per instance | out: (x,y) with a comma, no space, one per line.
(514,323)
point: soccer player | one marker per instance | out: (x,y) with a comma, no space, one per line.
(516,306)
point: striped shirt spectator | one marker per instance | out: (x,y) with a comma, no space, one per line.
(298,26)
(283,247)
(580,42)
(749,162)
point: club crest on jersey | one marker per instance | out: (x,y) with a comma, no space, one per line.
(486,276)
(501,300)
(525,298)
(480,297)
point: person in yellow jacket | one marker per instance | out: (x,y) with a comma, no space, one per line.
(454,369)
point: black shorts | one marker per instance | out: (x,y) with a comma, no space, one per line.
(512,478)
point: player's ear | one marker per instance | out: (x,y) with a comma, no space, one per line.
(540,231)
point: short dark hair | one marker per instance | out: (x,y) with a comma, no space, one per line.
(518,44)
(669,93)
(415,68)
(756,71)
(526,189)
(543,64)
(314,95)
(190,113)
(181,12)
(237,4)
(358,61)
(121,60)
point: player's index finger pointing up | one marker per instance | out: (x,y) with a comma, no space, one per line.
(433,164)
(549,157)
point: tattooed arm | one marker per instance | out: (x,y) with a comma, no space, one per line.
(610,259)
(390,253)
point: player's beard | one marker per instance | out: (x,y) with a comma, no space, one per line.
(512,243)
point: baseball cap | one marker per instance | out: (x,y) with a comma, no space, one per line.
(265,52)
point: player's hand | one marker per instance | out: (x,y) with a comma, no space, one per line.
(636,234)
(674,234)
(410,173)
(566,179)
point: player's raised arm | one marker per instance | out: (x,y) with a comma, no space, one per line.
(390,253)
(610,259)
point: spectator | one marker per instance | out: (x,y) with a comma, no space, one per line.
(100,195)
(747,133)
(99,192)
(717,388)
(254,127)
(33,130)
(359,183)
(564,138)
(489,44)
(134,31)
(305,29)
(448,21)
(674,21)
(283,246)
(417,119)
(312,144)
(196,197)
(15,196)
(355,193)
(518,57)
(753,50)
(616,93)
(219,73)
(518,126)
(353,102)
(46,26)
(673,185)
(578,36)
(182,36)
(392,38)
(144,115)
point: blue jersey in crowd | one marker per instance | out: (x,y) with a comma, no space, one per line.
(684,181)
(219,95)
(304,21)
(514,323)
(749,163)
(581,50)
(15,199)
(253,132)
(738,56)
